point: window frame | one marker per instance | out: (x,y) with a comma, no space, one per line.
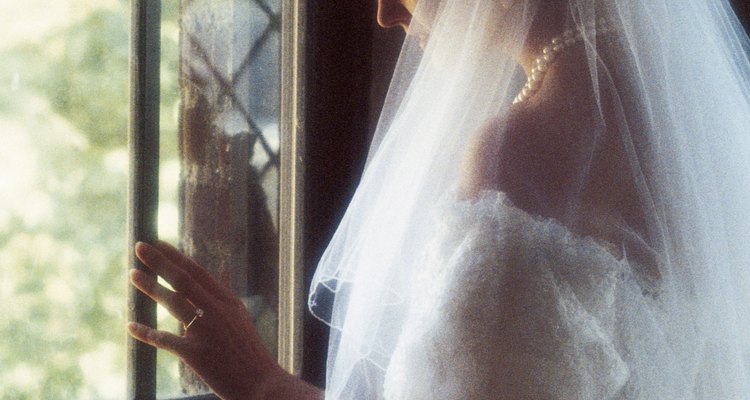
(143,146)
(292,187)
(143,143)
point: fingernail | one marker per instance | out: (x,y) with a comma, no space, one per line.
(142,250)
(134,274)
(135,327)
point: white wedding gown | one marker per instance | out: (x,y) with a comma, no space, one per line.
(510,306)
(500,304)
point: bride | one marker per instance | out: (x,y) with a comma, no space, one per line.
(554,207)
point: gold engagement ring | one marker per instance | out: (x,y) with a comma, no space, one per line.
(198,314)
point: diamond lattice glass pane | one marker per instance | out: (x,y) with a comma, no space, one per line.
(229,83)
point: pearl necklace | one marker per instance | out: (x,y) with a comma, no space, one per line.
(541,65)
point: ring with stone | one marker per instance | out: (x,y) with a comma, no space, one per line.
(198,314)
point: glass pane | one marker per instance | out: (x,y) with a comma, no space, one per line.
(228,157)
(63,175)
(167,371)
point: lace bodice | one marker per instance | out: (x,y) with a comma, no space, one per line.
(509,306)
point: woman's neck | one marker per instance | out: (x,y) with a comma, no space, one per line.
(549,22)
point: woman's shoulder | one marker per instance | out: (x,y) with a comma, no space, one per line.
(491,147)
(505,304)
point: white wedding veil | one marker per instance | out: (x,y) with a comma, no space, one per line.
(670,81)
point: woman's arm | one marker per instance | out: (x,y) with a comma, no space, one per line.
(221,344)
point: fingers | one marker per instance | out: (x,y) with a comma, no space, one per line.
(196,271)
(175,303)
(181,280)
(159,339)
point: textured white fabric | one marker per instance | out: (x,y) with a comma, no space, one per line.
(508,306)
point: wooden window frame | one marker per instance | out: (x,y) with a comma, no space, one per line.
(144,178)
(143,144)
(335,69)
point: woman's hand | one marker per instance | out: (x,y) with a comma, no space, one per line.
(220,342)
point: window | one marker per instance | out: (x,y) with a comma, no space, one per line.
(64,173)
(231,159)
(335,68)
(64,168)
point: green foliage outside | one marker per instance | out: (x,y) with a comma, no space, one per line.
(63,191)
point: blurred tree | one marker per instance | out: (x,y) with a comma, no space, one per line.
(62,209)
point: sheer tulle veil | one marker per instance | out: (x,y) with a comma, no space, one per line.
(671,80)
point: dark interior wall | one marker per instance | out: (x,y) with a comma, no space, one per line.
(386,47)
(742,7)
(338,84)
(349,65)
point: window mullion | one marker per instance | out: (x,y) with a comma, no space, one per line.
(291,199)
(143,142)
